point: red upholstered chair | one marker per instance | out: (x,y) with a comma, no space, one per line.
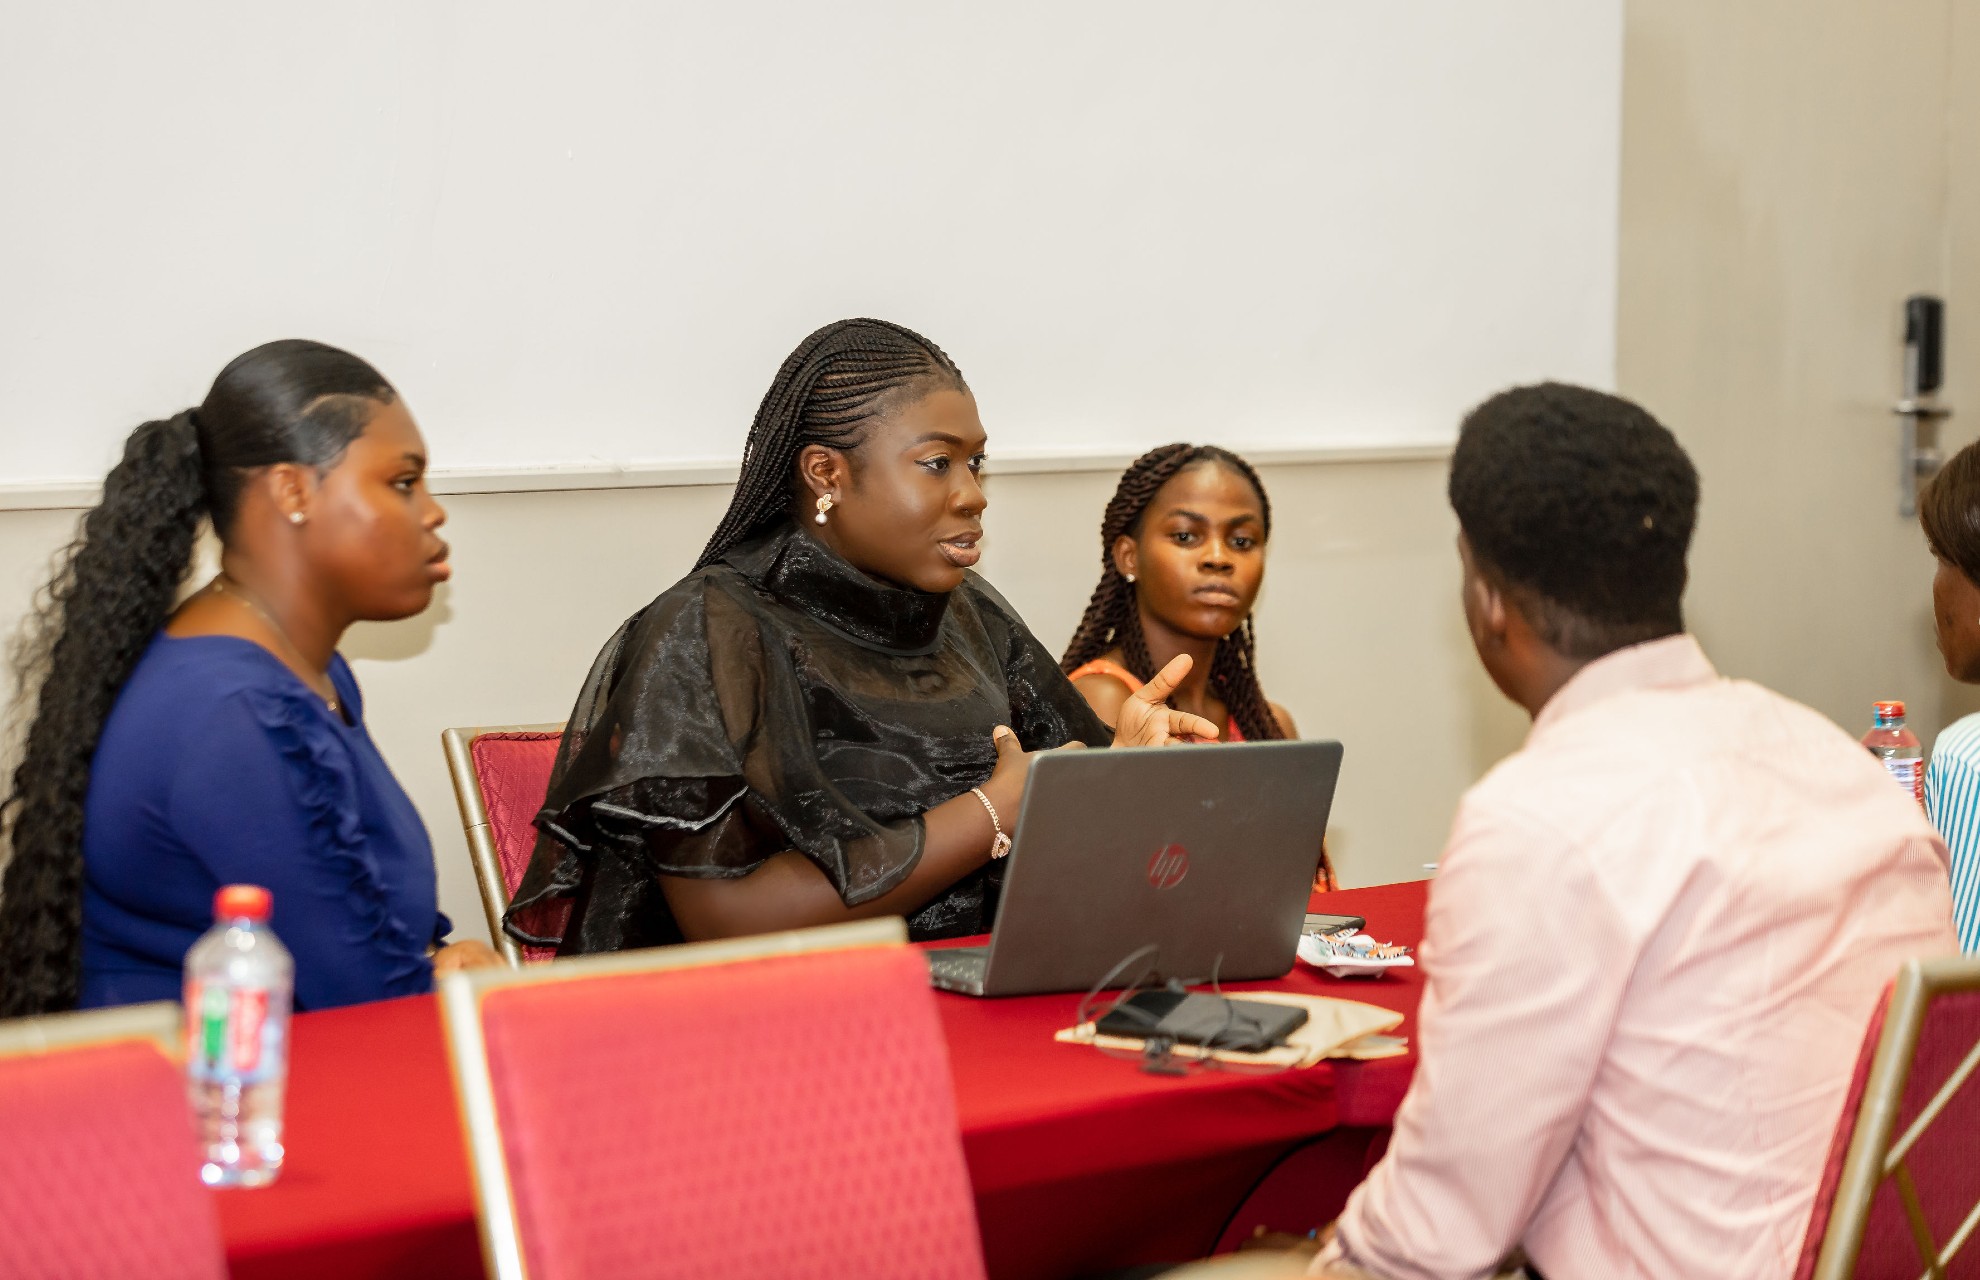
(1900,1196)
(500,777)
(768,1107)
(101,1172)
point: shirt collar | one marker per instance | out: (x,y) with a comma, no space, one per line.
(809,576)
(1673,662)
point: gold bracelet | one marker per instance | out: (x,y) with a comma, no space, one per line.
(1002,844)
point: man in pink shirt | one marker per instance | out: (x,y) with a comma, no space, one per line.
(1659,928)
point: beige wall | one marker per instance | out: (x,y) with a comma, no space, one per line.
(1962,244)
(1790,174)
(1360,632)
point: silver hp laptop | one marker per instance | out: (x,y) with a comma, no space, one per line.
(1204,854)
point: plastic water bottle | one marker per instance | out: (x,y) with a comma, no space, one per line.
(1899,749)
(239,981)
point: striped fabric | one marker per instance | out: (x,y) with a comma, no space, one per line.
(1952,797)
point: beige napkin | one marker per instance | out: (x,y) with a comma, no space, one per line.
(1333,1029)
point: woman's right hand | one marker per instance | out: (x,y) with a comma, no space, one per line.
(1147,720)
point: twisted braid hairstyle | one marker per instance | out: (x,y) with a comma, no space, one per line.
(1113,618)
(838,378)
(112,589)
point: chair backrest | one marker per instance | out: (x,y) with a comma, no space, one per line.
(770,1107)
(500,776)
(101,1175)
(1825,1192)
(1901,1197)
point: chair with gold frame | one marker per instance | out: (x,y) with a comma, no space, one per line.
(766,1106)
(102,1168)
(500,773)
(1906,1194)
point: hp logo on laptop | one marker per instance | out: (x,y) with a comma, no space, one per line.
(1168,867)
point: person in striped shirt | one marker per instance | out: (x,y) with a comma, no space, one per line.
(1949,510)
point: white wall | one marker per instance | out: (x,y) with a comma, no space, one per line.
(587,232)
(584,234)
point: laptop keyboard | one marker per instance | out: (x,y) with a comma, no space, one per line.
(958,968)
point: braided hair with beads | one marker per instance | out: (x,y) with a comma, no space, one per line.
(1113,617)
(838,378)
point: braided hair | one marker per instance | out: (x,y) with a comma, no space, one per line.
(1113,618)
(838,378)
(112,589)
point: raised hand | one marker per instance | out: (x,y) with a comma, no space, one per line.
(1147,721)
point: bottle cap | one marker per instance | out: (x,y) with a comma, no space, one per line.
(242,902)
(1890,710)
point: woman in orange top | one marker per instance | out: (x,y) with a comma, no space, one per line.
(1182,554)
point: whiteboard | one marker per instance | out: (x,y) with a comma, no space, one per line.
(586,233)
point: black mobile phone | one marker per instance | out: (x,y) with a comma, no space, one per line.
(1194,1018)
(1333,924)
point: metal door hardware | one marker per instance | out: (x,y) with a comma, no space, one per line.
(1919,412)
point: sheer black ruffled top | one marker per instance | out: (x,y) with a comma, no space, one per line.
(781,699)
(808,576)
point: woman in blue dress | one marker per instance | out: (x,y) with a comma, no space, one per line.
(177,747)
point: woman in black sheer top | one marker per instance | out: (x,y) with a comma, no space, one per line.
(831,717)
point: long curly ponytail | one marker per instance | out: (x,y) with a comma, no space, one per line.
(112,589)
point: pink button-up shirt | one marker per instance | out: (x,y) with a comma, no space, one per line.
(1652,949)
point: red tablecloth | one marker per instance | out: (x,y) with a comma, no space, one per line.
(1080,1161)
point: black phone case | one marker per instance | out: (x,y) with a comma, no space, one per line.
(1215,1021)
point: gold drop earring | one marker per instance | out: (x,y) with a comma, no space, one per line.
(824,507)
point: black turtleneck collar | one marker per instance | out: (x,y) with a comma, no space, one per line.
(808,575)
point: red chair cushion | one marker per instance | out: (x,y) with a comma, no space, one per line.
(1943,1163)
(101,1176)
(513,772)
(789,1117)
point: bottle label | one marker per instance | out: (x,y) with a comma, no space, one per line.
(250,1015)
(208,1026)
(1910,774)
(227,1033)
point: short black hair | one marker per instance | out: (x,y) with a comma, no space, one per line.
(1582,505)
